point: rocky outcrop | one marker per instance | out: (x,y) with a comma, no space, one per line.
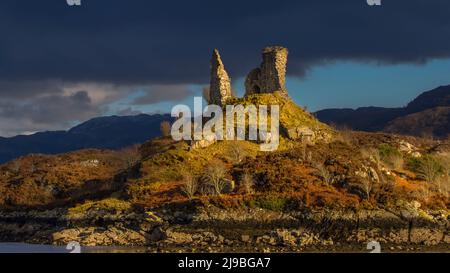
(271,76)
(220,87)
(213,229)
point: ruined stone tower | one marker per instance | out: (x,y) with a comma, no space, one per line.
(220,87)
(271,76)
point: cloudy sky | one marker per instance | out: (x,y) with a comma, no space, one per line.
(60,65)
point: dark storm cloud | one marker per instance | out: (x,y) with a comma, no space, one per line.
(170,41)
(163,93)
(50,51)
(27,89)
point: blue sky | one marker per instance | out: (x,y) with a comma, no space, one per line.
(352,85)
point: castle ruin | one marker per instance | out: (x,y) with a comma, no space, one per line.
(271,75)
(268,78)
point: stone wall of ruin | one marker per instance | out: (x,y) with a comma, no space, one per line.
(220,86)
(271,76)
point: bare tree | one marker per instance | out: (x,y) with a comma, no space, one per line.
(130,156)
(304,153)
(429,170)
(345,135)
(236,152)
(373,155)
(33,167)
(443,182)
(190,185)
(165,128)
(215,176)
(15,166)
(323,172)
(367,184)
(397,161)
(247,183)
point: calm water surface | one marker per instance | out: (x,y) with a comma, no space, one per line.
(29,248)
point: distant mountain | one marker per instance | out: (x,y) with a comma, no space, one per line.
(425,115)
(430,122)
(431,99)
(112,132)
(362,119)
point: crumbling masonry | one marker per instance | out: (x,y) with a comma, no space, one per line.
(268,78)
(271,76)
(220,88)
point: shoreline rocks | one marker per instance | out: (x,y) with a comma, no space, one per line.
(213,229)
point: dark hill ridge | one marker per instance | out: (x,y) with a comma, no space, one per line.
(431,99)
(390,119)
(112,132)
(429,122)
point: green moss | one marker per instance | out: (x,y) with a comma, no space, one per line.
(111,205)
(291,115)
(386,151)
(270,202)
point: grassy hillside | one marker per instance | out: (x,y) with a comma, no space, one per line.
(291,115)
(348,169)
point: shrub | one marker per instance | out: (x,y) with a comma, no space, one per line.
(391,156)
(413,164)
(111,205)
(247,183)
(345,135)
(305,154)
(236,152)
(429,169)
(444,181)
(131,156)
(443,184)
(373,155)
(367,185)
(323,172)
(270,202)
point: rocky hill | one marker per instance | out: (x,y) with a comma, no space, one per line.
(425,115)
(332,194)
(433,122)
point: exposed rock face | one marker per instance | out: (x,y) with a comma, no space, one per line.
(271,76)
(303,133)
(215,229)
(220,88)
